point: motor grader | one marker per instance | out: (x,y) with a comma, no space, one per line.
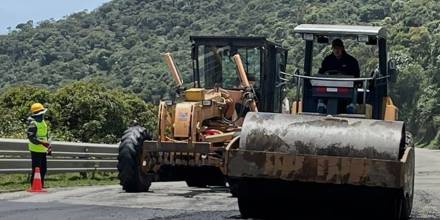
(340,153)
(231,76)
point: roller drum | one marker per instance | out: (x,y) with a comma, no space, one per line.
(322,135)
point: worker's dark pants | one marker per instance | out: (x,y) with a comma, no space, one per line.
(39,160)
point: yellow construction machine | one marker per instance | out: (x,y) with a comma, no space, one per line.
(341,153)
(231,76)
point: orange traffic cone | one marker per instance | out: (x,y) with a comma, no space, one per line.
(36,182)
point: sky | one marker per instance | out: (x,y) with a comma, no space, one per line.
(13,12)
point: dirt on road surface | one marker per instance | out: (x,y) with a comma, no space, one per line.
(174,200)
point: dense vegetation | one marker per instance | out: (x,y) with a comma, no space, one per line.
(80,111)
(119,44)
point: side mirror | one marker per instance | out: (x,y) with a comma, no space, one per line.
(392,70)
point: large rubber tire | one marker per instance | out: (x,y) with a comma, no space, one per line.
(204,176)
(407,200)
(401,205)
(170,173)
(194,177)
(195,182)
(215,177)
(233,187)
(251,203)
(130,174)
(246,205)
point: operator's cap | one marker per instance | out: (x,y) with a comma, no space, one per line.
(337,43)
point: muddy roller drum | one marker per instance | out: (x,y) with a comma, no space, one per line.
(323,135)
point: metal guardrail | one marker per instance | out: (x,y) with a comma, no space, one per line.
(66,157)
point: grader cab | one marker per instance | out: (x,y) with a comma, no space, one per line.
(231,76)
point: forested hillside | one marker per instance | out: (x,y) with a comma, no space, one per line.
(120,43)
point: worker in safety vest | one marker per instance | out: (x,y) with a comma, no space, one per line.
(37,134)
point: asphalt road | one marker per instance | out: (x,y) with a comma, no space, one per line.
(173,200)
(427,185)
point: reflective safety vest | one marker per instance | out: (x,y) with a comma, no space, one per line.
(41,135)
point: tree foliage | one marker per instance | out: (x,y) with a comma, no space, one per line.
(120,42)
(80,111)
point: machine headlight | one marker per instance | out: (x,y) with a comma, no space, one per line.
(207,102)
(168,102)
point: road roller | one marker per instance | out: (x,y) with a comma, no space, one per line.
(340,153)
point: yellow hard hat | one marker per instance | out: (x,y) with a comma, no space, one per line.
(37,109)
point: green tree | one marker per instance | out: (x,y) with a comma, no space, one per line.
(119,44)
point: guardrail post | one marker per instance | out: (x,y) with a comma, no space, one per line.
(94,171)
(83,174)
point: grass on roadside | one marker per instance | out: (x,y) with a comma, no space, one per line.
(17,182)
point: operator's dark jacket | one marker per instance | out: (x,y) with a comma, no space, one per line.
(347,65)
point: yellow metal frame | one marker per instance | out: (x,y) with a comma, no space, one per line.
(390,111)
